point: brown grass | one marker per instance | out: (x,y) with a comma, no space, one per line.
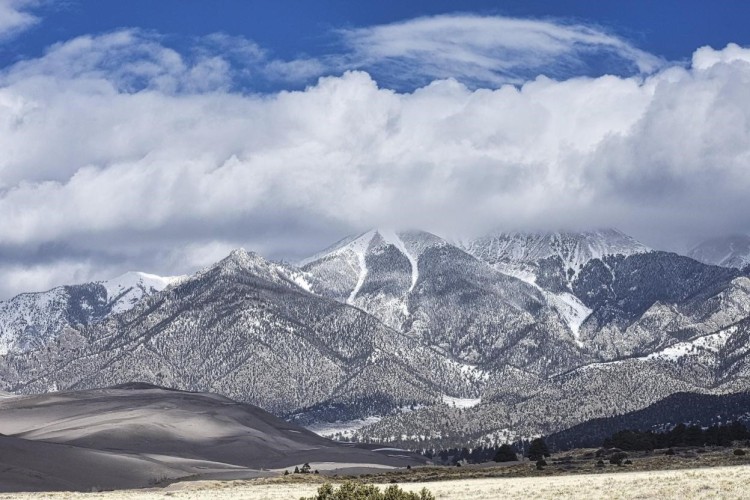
(714,473)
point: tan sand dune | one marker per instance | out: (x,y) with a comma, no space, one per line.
(155,434)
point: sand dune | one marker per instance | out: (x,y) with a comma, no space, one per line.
(138,435)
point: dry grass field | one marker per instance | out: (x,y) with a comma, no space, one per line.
(712,482)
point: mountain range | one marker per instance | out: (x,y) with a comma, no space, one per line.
(406,337)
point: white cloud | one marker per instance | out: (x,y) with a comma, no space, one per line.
(120,153)
(128,60)
(705,57)
(15,17)
(488,50)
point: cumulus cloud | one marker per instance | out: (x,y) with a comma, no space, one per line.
(15,17)
(120,153)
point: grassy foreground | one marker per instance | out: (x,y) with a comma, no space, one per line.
(711,482)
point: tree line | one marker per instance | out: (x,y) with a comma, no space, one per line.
(536,449)
(680,435)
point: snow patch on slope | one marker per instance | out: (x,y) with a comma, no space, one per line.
(710,343)
(461,402)
(127,290)
(301,280)
(344,429)
(571,309)
(518,271)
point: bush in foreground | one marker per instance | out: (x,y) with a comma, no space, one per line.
(355,491)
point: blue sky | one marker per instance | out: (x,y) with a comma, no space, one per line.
(292,29)
(158,135)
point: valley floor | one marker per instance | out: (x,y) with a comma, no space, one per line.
(713,482)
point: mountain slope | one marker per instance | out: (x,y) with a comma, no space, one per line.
(445,298)
(729,251)
(718,363)
(521,253)
(30,320)
(701,409)
(643,302)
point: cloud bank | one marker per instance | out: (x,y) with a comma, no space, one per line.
(121,153)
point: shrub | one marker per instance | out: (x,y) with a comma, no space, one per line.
(505,453)
(600,463)
(739,452)
(628,462)
(669,452)
(617,458)
(356,491)
(540,464)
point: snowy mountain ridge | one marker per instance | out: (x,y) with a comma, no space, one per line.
(519,253)
(727,251)
(31,319)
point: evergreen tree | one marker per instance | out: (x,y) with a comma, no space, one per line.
(694,436)
(538,449)
(505,453)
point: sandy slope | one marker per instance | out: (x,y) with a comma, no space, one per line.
(139,435)
(718,482)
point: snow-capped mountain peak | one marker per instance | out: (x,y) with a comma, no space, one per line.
(351,254)
(242,261)
(239,258)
